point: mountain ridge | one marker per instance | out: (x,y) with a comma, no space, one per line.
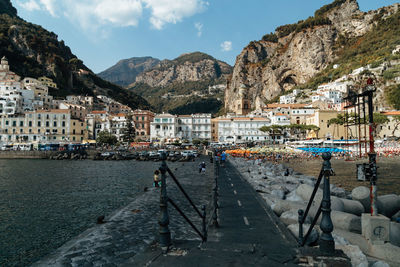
(295,53)
(32,51)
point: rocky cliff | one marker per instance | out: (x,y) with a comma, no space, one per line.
(190,67)
(125,71)
(296,52)
(181,86)
(32,51)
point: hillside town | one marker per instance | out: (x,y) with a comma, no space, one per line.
(31,117)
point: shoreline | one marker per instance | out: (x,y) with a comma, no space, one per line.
(287,194)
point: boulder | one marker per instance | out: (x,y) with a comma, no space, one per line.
(337,191)
(305,192)
(388,205)
(353,206)
(284,205)
(311,240)
(396,217)
(380,264)
(394,235)
(361,193)
(346,221)
(292,217)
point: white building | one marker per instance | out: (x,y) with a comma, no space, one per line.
(241,129)
(167,127)
(118,125)
(201,126)
(287,99)
(163,128)
(10,90)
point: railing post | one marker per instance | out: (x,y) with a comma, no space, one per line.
(165,234)
(204,223)
(215,198)
(327,243)
(301,213)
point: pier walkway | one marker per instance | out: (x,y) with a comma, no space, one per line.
(249,234)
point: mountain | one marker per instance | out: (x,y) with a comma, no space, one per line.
(302,55)
(182,85)
(125,71)
(7,8)
(32,51)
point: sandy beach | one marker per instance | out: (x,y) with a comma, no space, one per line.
(388,172)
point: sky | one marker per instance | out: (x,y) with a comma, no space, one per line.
(102,32)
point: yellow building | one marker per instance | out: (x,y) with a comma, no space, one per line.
(42,126)
(47,81)
(320,118)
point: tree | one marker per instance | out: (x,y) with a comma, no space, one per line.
(273,130)
(129,132)
(196,142)
(396,120)
(106,138)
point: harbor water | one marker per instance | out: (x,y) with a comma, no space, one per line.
(45,203)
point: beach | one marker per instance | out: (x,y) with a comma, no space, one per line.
(388,172)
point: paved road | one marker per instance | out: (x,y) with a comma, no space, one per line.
(249,234)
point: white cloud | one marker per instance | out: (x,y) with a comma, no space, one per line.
(199,28)
(91,14)
(172,11)
(30,5)
(226,46)
(50,6)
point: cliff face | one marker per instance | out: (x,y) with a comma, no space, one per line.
(32,51)
(125,71)
(191,67)
(296,52)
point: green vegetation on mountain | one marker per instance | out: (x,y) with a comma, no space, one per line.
(202,105)
(375,47)
(33,51)
(164,98)
(7,8)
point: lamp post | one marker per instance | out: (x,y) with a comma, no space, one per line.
(327,244)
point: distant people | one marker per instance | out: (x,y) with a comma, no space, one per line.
(202,167)
(223,158)
(156,179)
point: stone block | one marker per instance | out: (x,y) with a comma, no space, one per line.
(375,229)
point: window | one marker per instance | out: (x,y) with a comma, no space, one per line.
(54,123)
(73,131)
(30,123)
(63,131)
(63,124)
(39,123)
(21,124)
(14,123)
(47,123)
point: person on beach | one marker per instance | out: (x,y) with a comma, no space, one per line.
(156,182)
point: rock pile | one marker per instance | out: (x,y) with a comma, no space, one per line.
(286,191)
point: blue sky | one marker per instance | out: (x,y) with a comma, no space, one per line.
(101,32)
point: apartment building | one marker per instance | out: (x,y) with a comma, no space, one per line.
(142,120)
(47,126)
(240,129)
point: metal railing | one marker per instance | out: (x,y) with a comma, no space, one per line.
(327,243)
(165,235)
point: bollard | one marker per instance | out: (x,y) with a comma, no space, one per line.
(327,243)
(165,234)
(204,223)
(301,213)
